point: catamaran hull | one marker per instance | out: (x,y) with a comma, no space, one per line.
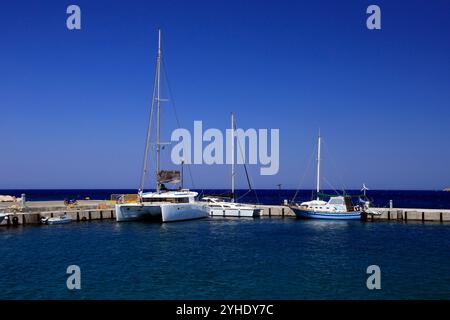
(183,212)
(163,212)
(307,214)
(250,213)
(133,212)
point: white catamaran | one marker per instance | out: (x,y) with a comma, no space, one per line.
(218,206)
(165,205)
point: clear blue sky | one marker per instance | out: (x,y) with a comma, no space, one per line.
(74,104)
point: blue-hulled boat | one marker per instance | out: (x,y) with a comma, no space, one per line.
(337,207)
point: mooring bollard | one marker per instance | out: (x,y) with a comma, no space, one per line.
(23,200)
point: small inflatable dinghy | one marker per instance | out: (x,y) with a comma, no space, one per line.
(56,220)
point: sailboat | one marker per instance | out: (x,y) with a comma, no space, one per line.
(218,206)
(163,204)
(336,208)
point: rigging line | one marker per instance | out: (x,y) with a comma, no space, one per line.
(247,192)
(149,129)
(245,167)
(304,174)
(332,187)
(153,164)
(169,88)
(242,159)
(170,92)
(333,163)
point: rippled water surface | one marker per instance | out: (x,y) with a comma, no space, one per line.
(226,259)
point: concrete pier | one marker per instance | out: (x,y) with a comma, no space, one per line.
(32,212)
(90,210)
(400,214)
(410,214)
(275,211)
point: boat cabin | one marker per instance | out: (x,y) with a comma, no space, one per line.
(335,204)
(182,196)
(218,203)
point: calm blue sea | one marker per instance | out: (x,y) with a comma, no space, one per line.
(217,258)
(227,259)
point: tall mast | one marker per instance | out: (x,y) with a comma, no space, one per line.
(149,128)
(232,157)
(158,103)
(318,167)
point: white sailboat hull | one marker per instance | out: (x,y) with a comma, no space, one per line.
(166,212)
(235,212)
(57,220)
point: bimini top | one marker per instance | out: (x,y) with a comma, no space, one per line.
(337,203)
(170,194)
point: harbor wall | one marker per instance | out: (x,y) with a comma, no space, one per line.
(97,210)
(408,214)
(397,214)
(34,211)
(275,211)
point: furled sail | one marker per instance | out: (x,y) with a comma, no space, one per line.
(169,176)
